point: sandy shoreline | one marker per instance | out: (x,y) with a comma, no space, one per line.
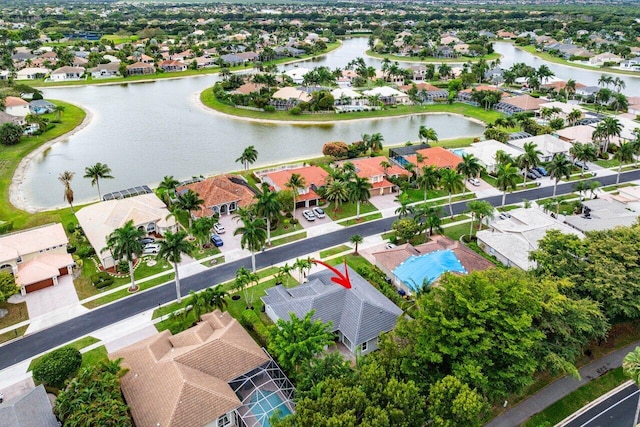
(16,191)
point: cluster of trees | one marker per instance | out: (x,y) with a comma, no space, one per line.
(342,150)
(7,285)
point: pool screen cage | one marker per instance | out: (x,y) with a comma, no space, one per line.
(264,382)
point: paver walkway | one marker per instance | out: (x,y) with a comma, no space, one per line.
(559,389)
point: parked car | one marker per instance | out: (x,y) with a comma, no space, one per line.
(531,175)
(318,212)
(146,240)
(390,245)
(216,240)
(581,165)
(542,171)
(536,173)
(218,228)
(474,181)
(504,215)
(151,248)
(308,215)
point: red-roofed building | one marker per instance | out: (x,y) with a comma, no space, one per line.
(313,176)
(435,156)
(372,169)
(222,195)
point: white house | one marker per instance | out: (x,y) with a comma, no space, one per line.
(603,58)
(388,95)
(485,152)
(297,74)
(549,145)
(32,73)
(67,73)
(17,107)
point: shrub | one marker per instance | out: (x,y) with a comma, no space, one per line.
(269,108)
(54,368)
(86,251)
(250,320)
(6,227)
(123,267)
(101,280)
(295,111)
(71,249)
(71,227)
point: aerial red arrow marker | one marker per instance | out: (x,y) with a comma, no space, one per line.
(341,279)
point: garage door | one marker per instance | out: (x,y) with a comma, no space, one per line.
(39,285)
(63,271)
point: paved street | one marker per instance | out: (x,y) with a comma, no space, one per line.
(616,410)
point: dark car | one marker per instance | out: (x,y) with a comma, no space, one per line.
(146,240)
(536,173)
(216,240)
(581,165)
(542,171)
(531,175)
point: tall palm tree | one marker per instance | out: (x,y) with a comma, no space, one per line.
(254,236)
(573,116)
(65,178)
(216,297)
(479,209)
(506,178)
(356,239)
(189,201)
(404,208)
(375,142)
(584,153)
(167,188)
(268,206)
(570,87)
(124,243)
(336,191)
(428,134)
(605,80)
(623,155)
(96,173)
(636,144)
(359,191)
(530,158)
(612,127)
(172,248)
(452,182)
(385,165)
(429,179)
(295,182)
(469,167)
(249,156)
(560,166)
(429,217)
(631,368)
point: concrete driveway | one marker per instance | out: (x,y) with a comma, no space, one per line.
(305,223)
(50,299)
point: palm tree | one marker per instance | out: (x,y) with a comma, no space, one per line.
(254,236)
(570,87)
(469,167)
(428,134)
(356,239)
(172,248)
(479,209)
(65,178)
(295,182)
(560,166)
(584,153)
(452,182)
(429,217)
(605,80)
(543,73)
(623,155)
(631,368)
(59,109)
(301,265)
(284,272)
(167,188)
(359,192)
(242,280)
(619,84)
(96,173)
(636,144)
(124,243)
(593,186)
(216,297)
(404,209)
(269,207)
(573,116)
(385,165)
(336,191)
(530,158)
(429,179)
(189,201)
(506,178)
(249,155)
(612,127)
(581,187)
(375,142)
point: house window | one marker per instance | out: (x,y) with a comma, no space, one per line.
(224,421)
(364,346)
(151,227)
(19,260)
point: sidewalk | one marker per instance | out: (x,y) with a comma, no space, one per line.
(559,389)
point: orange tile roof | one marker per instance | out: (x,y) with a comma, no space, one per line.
(182,380)
(525,102)
(311,174)
(14,101)
(421,86)
(435,156)
(218,190)
(369,167)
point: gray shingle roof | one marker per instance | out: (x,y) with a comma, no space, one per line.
(32,409)
(360,313)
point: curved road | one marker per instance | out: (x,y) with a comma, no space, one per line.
(41,341)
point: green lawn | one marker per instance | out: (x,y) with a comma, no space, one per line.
(576,400)
(456,231)
(204,253)
(95,356)
(453,143)
(362,219)
(488,57)
(17,313)
(10,157)
(123,293)
(347,210)
(8,336)
(288,239)
(334,251)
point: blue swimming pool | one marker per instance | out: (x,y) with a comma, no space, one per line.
(458,152)
(264,403)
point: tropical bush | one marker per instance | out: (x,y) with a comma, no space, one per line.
(101,280)
(56,367)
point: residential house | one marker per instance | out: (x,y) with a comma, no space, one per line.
(313,176)
(297,74)
(358,315)
(32,409)
(427,93)
(232,59)
(485,152)
(288,97)
(588,92)
(41,106)
(517,104)
(512,240)
(79,62)
(63,74)
(8,118)
(346,79)
(580,133)
(172,66)
(439,157)
(632,64)
(140,68)
(371,169)
(603,213)
(145,59)
(410,268)
(388,95)
(204,62)
(506,35)
(32,73)
(418,72)
(17,107)
(36,257)
(99,220)
(548,145)
(604,58)
(346,99)
(222,194)
(212,374)
(105,71)
(248,88)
